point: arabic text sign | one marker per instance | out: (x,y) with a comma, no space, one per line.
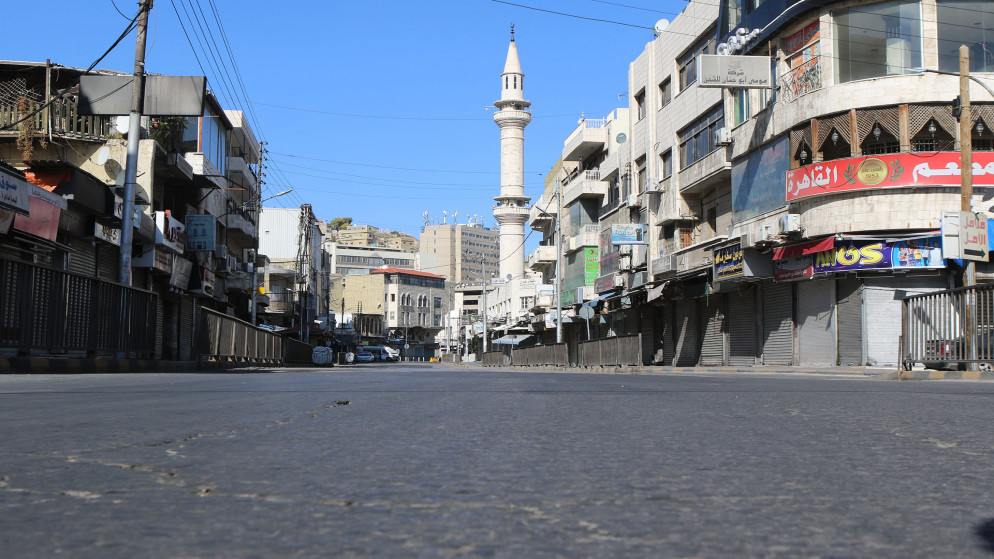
(628,234)
(728,262)
(14,192)
(886,171)
(964,235)
(851,255)
(716,70)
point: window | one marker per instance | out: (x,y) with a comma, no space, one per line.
(642,175)
(880,141)
(697,140)
(438,302)
(877,40)
(966,22)
(640,103)
(393,297)
(666,164)
(740,106)
(665,93)
(688,60)
(733,15)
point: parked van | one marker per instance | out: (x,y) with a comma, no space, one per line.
(382,353)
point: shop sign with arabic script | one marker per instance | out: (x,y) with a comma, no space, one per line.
(886,171)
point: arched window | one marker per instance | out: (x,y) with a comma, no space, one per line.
(933,137)
(835,146)
(879,141)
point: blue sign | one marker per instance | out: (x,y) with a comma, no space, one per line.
(628,234)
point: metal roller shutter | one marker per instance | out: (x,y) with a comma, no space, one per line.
(669,335)
(742,328)
(816,323)
(687,349)
(648,332)
(83,259)
(108,262)
(849,309)
(882,299)
(778,325)
(713,343)
(185,328)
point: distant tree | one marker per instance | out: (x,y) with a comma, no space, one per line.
(339,223)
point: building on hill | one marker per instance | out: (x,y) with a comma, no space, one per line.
(402,241)
(356,259)
(361,235)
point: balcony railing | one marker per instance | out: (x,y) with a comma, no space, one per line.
(64,117)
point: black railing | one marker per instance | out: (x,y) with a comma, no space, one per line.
(63,312)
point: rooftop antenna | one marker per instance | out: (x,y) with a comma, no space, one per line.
(455,215)
(445,217)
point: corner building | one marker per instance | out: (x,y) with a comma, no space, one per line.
(785,224)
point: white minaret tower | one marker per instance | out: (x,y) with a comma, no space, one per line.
(511,211)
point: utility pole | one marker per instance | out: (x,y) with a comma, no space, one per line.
(134,131)
(484,346)
(966,192)
(255,285)
(559,261)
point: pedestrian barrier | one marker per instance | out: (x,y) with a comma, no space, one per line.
(494,359)
(541,355)
(226,338)
(937,328)
(610,352)
(63,312)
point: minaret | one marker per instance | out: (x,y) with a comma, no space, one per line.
(511,211)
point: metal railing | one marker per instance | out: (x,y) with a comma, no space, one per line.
(226,338)
(61,312)
(551,354)
(64,118)
(494,359)
(936,327)
(610,352)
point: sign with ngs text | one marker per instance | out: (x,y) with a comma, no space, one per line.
(733,71)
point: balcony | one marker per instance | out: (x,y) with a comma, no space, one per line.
(66,122)
(584,184)
(588,138)
(507,213)
(204,169)
(241,173)
(585,236)
(540,215)
(541,256)
(707,173)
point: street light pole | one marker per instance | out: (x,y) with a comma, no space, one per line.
(484,346)
(559,261)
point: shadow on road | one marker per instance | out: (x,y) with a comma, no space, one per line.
(985,532)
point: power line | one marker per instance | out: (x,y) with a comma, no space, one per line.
(389,167)
(392,117)
(571,15)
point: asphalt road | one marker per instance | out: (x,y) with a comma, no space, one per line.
(433,461)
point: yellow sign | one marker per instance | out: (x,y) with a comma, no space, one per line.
(872,172)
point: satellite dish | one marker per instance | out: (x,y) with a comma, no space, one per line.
(621,137)
(103,155)
(121,124)
(509,276)
(660,26)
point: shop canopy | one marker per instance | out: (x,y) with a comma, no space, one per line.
(812,247)
(511,339)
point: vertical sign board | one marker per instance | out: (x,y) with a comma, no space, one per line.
(200,232)
(964,235)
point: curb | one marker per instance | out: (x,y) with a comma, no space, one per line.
(946,375)
(45,365)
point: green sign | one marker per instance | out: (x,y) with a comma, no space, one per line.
(591,265)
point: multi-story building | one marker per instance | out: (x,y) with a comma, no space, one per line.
(402,241)
(361,235)
(355,259)
(196,197)
(295,277)
(459,252)
(782,225)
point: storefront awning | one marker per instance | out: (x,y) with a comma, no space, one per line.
(804,248)
(511,339)
(593,302)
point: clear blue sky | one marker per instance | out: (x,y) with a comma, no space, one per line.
(373,109)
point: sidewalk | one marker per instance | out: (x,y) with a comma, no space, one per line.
(62,365)
(876,373)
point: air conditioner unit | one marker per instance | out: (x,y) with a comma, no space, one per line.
(634,200)
(790,224)
(723,137)
(745,240)
(221,252)
(668,264)
(619,280)
(625,250)
(221,266)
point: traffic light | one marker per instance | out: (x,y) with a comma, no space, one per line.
(957,107)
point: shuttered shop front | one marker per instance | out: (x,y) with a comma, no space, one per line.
(849,313)
(816,323)
(741,323)
(778,325)
(883,313)
(713,343)
(687,346)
